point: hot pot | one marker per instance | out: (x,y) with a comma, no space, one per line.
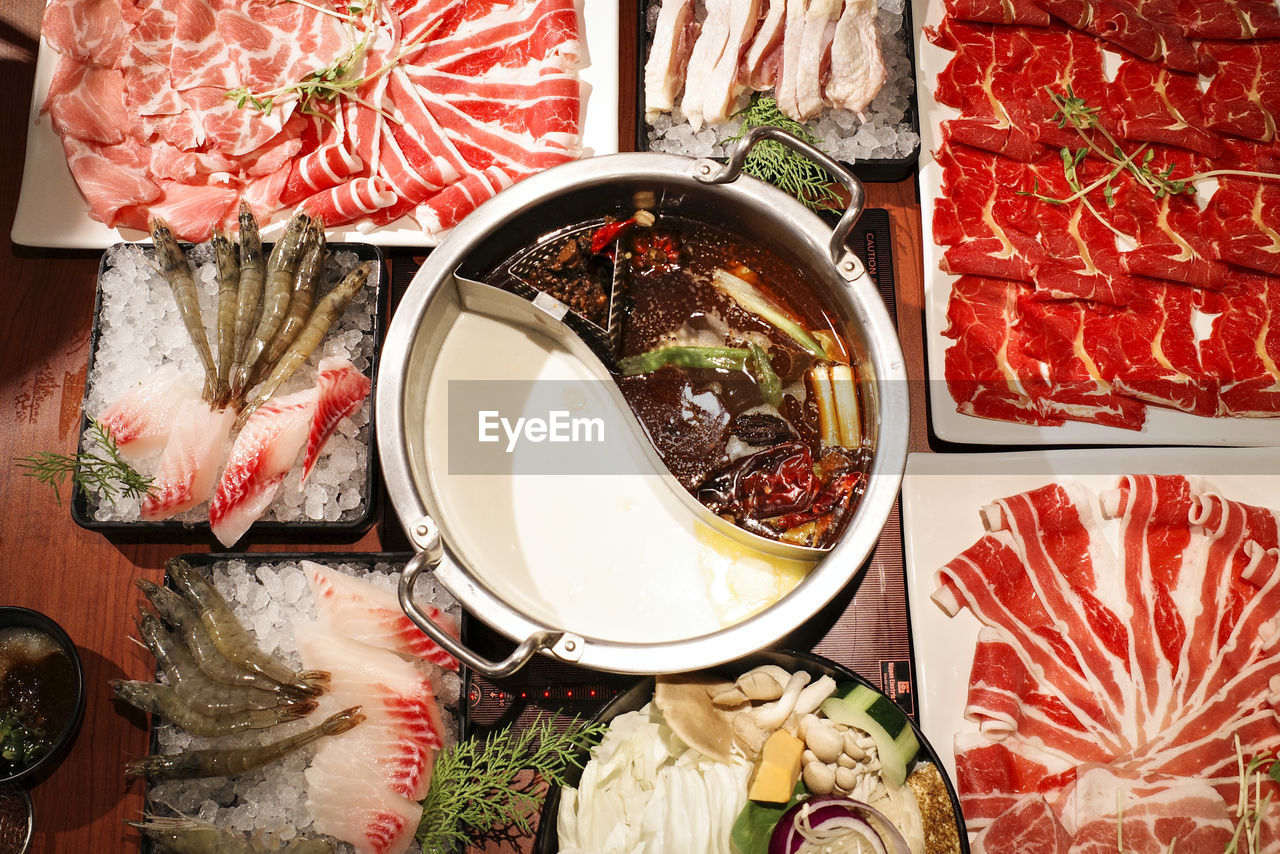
(453,528)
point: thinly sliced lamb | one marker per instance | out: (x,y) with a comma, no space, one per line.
(673,41)
(857,66)
(706,53)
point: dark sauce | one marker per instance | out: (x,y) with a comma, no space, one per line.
(37,696)
(760,466)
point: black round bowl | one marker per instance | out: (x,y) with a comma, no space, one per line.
(547,840)
(15,617)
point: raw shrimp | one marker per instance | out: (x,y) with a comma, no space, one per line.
(275,298)
(231,638)
(253,272)
(180,614)
(224,252)
(164,701)
(176,270)
(230,761)
(193,686)
(328,310)
(183,835)
(303,298)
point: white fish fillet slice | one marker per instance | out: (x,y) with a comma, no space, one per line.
(664,71)
(188,465)
(381,754)
(139,419)
(390,690)
(356,609)
(355,809)
(340,391)
(263,453)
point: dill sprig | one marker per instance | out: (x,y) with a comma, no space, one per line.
(474,787)
(102,472)
(773,162)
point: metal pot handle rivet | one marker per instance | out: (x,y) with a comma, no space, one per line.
(427,561)
(712,172)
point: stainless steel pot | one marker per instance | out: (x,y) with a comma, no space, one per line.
(576,192)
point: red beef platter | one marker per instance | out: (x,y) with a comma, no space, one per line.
(1099,180)
(390,120)
(1094,634)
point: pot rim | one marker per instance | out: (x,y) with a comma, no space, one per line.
(841,565)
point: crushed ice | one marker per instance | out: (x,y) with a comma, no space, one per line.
(139,331)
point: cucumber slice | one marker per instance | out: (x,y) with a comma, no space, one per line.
(888,727)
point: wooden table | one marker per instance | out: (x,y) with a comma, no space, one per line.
(84,581)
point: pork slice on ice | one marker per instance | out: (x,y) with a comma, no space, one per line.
(264,451)
(724,87)
(857,66)
(669,53)
(760,65)
(189,463)
(706,53)
(813,58)
(1157,815)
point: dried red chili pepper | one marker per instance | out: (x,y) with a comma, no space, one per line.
(606,234)
(835,493)
(772,482)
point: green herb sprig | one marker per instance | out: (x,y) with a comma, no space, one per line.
(474,786)
(773,162)
(20,743)
(102,472)
(1073,111)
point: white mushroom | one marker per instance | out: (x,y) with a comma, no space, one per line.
(821,737)
(851,747)
(846,778)
(819,778)
(765,682)
(730,698)
(748,734)
(813,695)
(773,715)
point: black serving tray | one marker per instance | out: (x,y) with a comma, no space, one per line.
(547,840)
(260,531)
(877,170)
(205,563)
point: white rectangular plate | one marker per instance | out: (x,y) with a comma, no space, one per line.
(51,212)
(941,497)
(1163,427)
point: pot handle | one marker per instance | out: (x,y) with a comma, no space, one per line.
(711,172)
(427,561)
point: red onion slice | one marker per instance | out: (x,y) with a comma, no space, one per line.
(827,819)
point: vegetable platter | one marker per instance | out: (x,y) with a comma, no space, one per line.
(53,213)
(350,483)
(1054,386)
(757,820)
(1210,512)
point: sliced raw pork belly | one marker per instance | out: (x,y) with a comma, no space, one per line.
(265,449)
(188,466)
(857,70)
(723,95)
(664,71)
(711,42)
(358,610)
(760,66)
